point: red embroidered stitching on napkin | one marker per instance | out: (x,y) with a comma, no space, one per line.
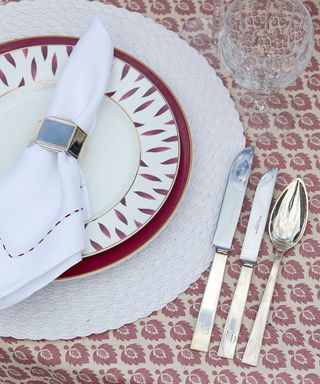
(40,241)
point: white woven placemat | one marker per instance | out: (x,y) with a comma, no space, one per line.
(166,267)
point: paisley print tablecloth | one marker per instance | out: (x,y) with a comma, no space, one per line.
(156,349)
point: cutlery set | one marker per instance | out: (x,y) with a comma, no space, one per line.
(286,227)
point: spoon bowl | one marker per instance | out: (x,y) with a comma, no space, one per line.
(289,216)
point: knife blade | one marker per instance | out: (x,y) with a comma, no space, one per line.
(225,229)
(249,254)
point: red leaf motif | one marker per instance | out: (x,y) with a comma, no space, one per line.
(314,82)
(143,106)
(314,270)
(309,121)
(158,149)
(87,376)
(277,101)
(170,139)
(311,378)
(153,330)
(181,331)
(170,175)
(44,51)
(140,77)
(197,376)
(150,91)
(141,376)
(292,141)
(104,230)
(310,248)
(121,217)
(174,309)
(153,132)
(123,201)
(17,373)
(275,159)
(105,354)
(150,177)
(126,332)
(259,120)
(143,164)
(170,122)
(251,312)
(22,83)
(138,225)
(169,376)
(96,245)
(314,339)
(4,357)
(173,160)
(77,354)
(310,316)
(284,121)
(120,234)
(39,372)
(263,269)
(162,110)
(226,377)
(33,69)
(145,195)
(255,378)
(292,337)
(283,315)
(49,355)
(270,336)
(147,211)
(10,59)
(3,78)
(125,71)
(128,94)
(301,293)
(23,355)
(69,49)
(300,162)
(274,359)
(110,94)
(25,52)
(160,7)
(54,63)
(292,270)
(161,354)
(301,102)
(283,378)
(312,182)
(133,354)
(279,294)
(302,360)
(138,125)
(113,375)
(163,192)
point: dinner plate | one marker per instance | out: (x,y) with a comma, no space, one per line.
(140,148)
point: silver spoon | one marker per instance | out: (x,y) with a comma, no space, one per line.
(287,224)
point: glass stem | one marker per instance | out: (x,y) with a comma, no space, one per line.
(261,102)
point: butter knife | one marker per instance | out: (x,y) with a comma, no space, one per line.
(249,254)
(225,229)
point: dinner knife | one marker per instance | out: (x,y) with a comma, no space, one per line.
(249,254)
(225,229)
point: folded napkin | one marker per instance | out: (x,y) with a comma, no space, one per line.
(43,197)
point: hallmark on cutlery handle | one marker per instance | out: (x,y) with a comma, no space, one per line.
(233,324)
(252,351)
(203,329)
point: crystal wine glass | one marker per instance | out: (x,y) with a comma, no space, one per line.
(266,44)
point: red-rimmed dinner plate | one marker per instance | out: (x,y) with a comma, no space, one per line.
(136,163)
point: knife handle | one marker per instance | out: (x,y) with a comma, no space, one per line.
(233,324)
(203,329)
(252,352)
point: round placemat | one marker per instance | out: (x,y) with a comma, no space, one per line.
(166,267)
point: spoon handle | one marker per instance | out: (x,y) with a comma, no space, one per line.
(252,352)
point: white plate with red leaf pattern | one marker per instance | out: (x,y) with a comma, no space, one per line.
(130,162)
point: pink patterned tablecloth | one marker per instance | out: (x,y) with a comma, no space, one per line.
(156,349)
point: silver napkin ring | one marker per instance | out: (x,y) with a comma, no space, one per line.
(60,135)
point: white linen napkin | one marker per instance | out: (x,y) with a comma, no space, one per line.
(43,198)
